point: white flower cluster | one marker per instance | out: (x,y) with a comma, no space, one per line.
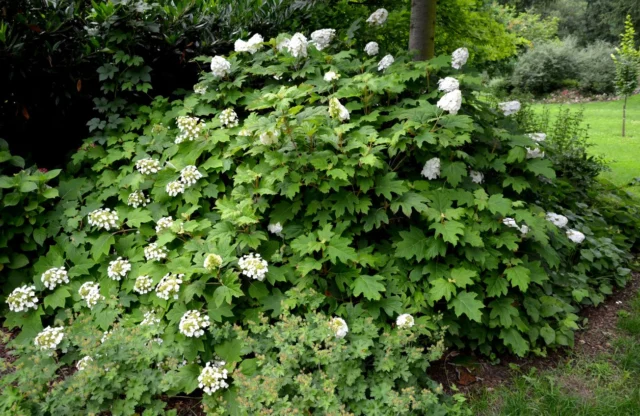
(169,286)
(192,324)
(533,153)
(561,221)
(378,17)
(22,298)
(556,219)
(431,169)
(212,378)
(269,137)
(83,363)
(405,321)
(228,118)
(212,262)
(144,284)
(104,218)
(150,318)
(575,236)
(148,166)
(200,89)
(220,67)
(275,228)
(252,265)
(459,57)
(510,107)
(154,253)
(448,84)
(339,327)
(189,175)
(54,277)
(372,48)
(189,127)
(252,46)
(297,46)
(281,46)
(137,199)
(537,137)
(105,336)
(244,133)
(90,293)
(174,188)
(164,223)
(331,76)
(476,177)
(510,222)
(385,62)
(49,338)
(451,102)
(118,268)
(337,110)
(322,38)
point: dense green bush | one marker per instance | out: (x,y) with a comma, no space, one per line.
(319,198)
(549,66)
(544,67)
(128,369)
(25,195)
(596,69)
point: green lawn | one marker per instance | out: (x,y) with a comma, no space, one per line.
(606,385)
(605,130)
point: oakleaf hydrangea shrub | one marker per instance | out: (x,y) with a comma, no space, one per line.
(403,207)
(26,193)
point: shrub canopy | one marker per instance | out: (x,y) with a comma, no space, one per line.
(364,200)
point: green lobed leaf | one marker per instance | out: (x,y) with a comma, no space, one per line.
(518,276)
(368,286)
(465,303)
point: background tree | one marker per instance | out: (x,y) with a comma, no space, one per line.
(627,67)
(611,17)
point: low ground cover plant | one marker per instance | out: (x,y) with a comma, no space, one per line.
(304,233)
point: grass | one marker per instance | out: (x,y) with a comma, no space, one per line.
(605,131)
(607,385)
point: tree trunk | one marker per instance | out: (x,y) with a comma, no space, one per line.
(624,116)
(422,29)
(431,28)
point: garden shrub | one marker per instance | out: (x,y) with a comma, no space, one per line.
(596,69)
(498,86)
(126,370)
(549,66)
(25,194)
(288,222)
(544,67)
